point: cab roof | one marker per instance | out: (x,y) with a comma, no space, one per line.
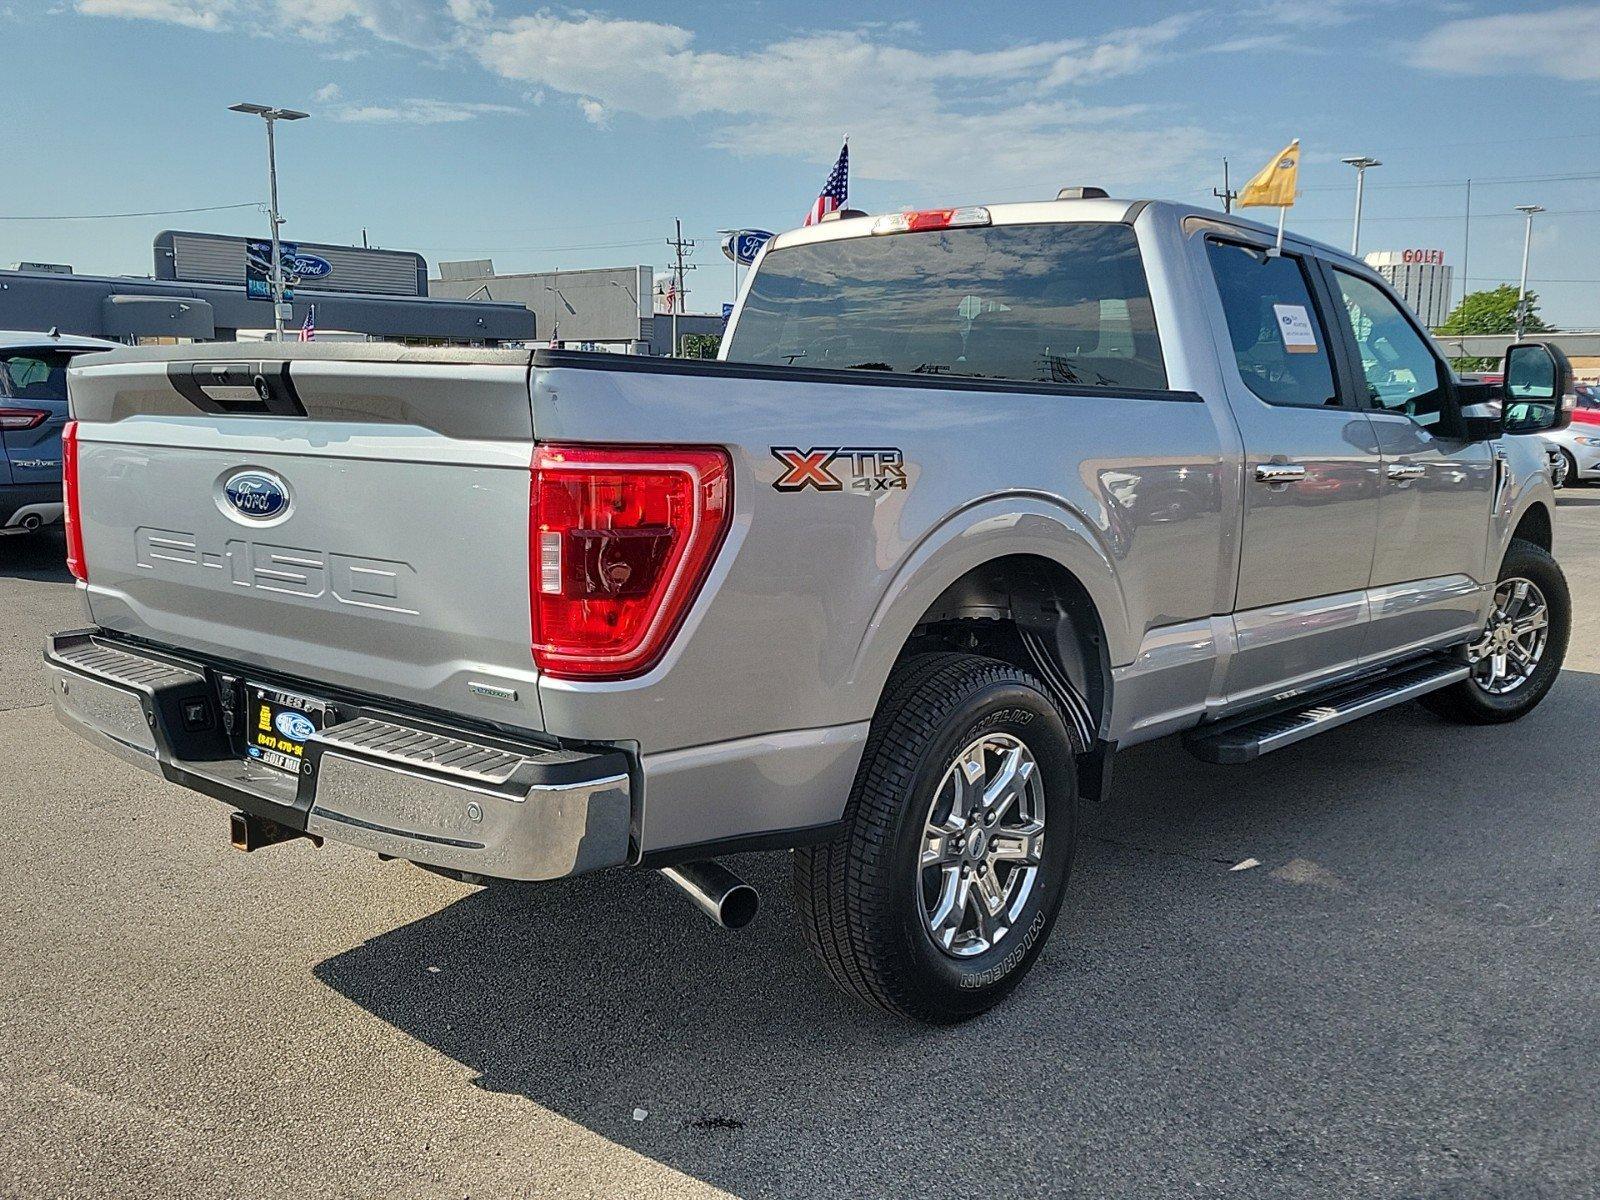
(1086,210)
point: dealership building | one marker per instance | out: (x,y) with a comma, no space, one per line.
(609,308)
(1421,276)
(208,287)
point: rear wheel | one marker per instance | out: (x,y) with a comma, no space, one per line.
(937,896)
(1516,658)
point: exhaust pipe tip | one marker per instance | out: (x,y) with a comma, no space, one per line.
(739,907)
(718,892)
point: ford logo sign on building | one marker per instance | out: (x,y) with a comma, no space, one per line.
(308,266)
(256,495)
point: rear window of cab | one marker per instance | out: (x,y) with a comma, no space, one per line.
(1053,304)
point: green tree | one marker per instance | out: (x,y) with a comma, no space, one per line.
(1491,311)
(701,345)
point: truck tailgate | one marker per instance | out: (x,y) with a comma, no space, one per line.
(351,516)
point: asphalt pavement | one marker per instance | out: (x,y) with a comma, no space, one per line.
(1402,999)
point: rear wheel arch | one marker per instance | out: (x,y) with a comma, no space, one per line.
(1032,612)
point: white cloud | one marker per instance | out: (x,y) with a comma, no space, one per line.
(996,115)
(328,93)
(417,112)
(195,14)
(1562,42)
(1002,116)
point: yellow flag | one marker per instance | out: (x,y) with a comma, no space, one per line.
(1274,184)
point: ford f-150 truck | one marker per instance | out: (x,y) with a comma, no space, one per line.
(975,497)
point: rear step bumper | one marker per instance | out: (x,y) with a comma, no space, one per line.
(391,782)
(1247,738)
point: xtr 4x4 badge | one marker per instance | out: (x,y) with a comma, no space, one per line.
(835,468)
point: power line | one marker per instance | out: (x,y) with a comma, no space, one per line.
(535,249)
(157,212)
(1500,180)
(1477,216)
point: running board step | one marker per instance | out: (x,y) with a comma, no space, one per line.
(1248,738)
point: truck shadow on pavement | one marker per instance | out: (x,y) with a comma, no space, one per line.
(1348,1008)
(39,556)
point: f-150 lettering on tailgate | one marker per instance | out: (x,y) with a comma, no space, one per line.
(289,570)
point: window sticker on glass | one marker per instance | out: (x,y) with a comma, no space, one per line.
(1294,323)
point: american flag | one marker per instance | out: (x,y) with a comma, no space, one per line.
(308,331)
(836,191)
(555,336)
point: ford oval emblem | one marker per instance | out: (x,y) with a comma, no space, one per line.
(309,266)
(297,727)
(256,495)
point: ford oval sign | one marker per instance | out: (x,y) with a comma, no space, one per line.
(297,727)
(308,266)
(256,495)
(742,245)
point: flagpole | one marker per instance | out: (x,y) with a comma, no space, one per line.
(1283,212)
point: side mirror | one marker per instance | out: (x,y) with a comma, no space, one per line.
(1481,417)
(1538,388)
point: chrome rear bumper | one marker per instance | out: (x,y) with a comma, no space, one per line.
(393,783)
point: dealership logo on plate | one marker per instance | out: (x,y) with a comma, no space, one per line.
(294,726)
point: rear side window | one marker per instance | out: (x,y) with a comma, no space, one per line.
(34,375)
(1279,342)
(1065,304)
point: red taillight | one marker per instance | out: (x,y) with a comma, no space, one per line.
(619,542)
(70,518)
(23,418)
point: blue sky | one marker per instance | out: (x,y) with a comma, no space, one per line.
(564,137)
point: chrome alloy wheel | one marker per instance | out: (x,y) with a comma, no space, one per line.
(1508,653)
(982,845)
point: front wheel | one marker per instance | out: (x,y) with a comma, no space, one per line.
(937,896)
(1516,658)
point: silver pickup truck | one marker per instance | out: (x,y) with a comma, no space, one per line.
(975,497)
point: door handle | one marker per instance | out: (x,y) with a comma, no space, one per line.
(1403,470)
(1279,472)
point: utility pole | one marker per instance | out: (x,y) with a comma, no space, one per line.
(1227,195)
(1466,245)
(679,244)
(272,116)
(1360,162)
(1527,210)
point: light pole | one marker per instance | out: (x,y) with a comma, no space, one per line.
(1360,162)
(1527,210)
(733,233)
(272,116)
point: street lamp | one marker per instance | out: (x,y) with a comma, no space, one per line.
(1527,210)
(1360,162)
(272,116)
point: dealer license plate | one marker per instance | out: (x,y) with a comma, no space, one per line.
(277,725)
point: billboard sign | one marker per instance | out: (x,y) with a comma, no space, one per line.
(219,258)
(258,269)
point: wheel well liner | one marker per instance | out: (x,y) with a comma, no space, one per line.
(1035,614)
(1534,526)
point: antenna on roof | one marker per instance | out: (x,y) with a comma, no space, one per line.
(55,332)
